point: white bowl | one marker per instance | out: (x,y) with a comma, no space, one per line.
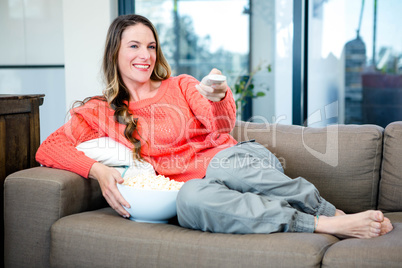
(154,206)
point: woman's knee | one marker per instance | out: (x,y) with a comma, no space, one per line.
(241,156)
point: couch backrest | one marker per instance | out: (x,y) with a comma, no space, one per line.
(342,161)
(390,195)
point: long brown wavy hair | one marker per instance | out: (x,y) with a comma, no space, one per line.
(116,93)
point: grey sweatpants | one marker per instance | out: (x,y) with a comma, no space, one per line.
(245,191)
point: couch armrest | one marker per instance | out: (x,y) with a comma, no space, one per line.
(33,200)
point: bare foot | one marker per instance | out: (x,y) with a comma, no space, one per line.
(339,212)
(366,224)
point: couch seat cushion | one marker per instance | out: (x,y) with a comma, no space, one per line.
(383,251)
(103,239)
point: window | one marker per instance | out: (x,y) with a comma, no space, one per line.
(197,36)
(355,62)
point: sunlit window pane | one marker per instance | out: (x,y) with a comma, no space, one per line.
(197,36)
(355,62)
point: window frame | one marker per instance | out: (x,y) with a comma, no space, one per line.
(300,62)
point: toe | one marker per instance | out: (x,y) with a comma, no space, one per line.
(376,225)
(375,230)
(389,227)
(379,216)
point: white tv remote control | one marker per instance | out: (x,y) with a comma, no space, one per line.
(212,79)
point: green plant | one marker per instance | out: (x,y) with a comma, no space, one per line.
(244,86)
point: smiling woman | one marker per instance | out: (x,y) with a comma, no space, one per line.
(136,61)
(146,109)
(124,50)
(182,128)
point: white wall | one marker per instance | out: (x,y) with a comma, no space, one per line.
(85,27)
(54,32)
(32,34)
(48,81)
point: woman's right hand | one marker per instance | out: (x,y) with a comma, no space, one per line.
(107,178)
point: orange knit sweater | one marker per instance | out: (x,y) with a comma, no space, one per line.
(180,131)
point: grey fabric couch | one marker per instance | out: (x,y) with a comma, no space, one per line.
(56,218)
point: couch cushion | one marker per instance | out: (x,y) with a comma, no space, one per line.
(390,196)
(103,239)
(342,161)
(383,251)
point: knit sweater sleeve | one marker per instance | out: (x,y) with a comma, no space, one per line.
(58,150)
(215,116)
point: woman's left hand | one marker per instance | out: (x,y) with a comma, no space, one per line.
(215,92)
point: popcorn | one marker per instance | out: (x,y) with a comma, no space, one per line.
(152,182)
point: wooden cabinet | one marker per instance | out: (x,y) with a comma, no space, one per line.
(19,136)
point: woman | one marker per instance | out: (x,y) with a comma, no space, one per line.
(182,128)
